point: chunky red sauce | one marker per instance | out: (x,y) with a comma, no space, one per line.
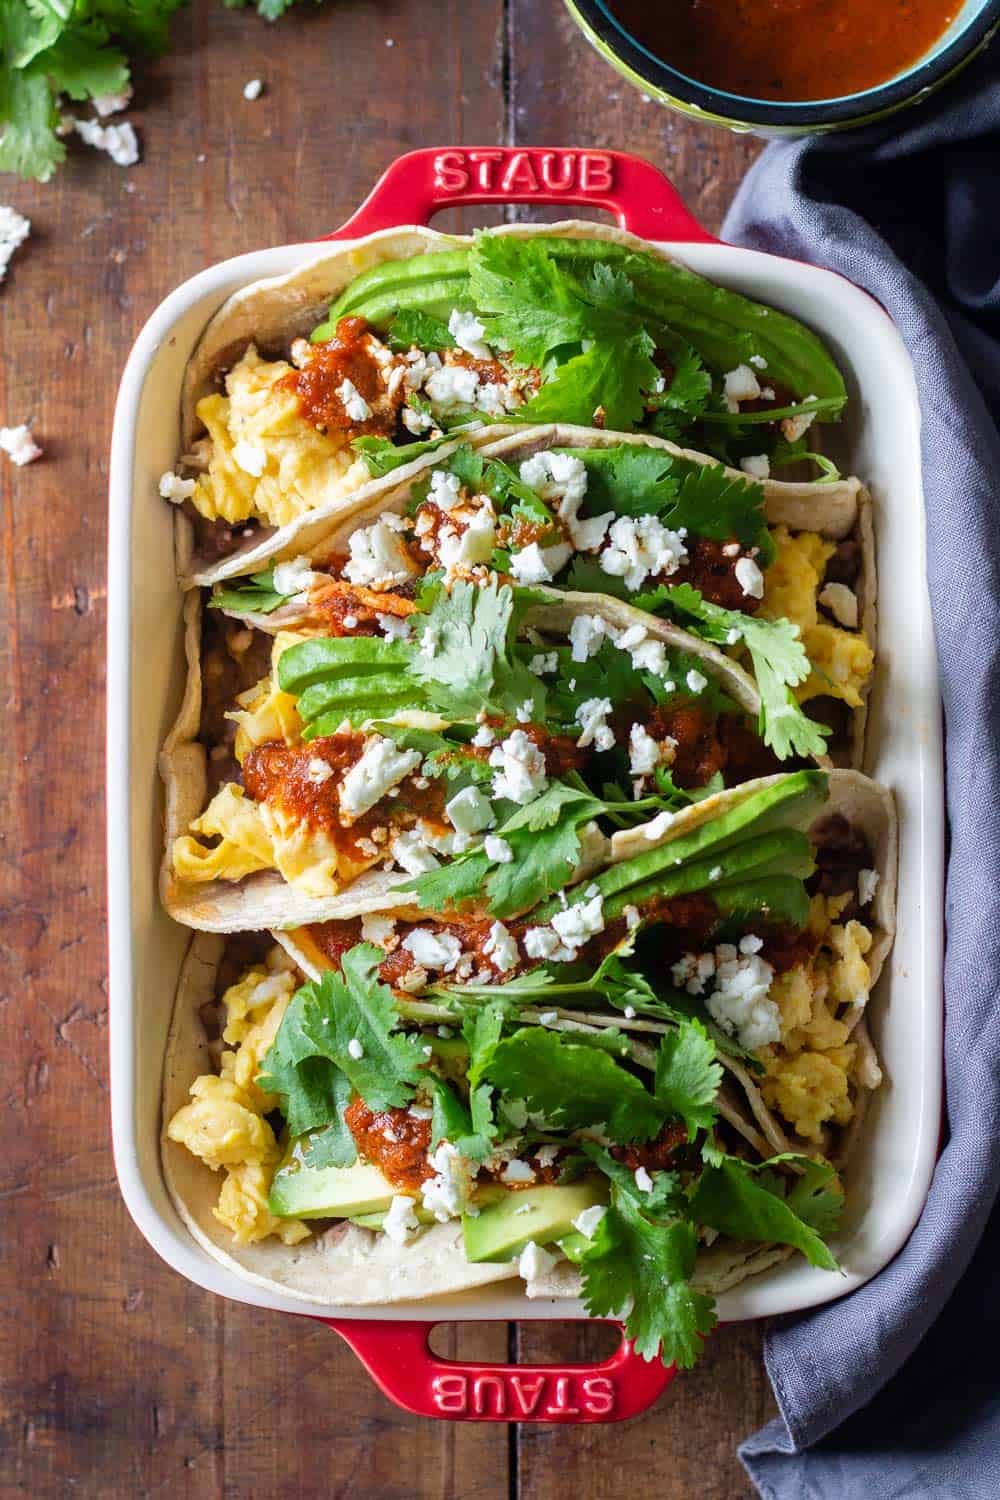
(318,386)
(393,1141)
(711,570)
(788,49)
(350,609)
(657,1155)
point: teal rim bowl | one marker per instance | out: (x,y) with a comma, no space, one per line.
(970,30)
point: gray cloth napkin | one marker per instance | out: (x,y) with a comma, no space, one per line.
(895,1391)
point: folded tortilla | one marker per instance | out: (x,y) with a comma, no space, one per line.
(271,313)
(833,510)
(265,900)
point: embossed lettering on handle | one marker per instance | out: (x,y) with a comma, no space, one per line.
(421,183)
(397,1356)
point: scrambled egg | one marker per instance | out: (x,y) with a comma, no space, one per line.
(224,1125)
(842,659)
(807,1078)
(264,459)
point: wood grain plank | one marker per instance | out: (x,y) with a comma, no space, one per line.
(118,1377)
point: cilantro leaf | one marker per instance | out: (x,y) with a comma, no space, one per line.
(753,1202)
(256,595)
(452,1121)
(817,1195)
(463,662)
(636,1263)
(685,398)
(328,1022)
(573,1084)
(606,384)
(333,1145)
(382,455)
(411,326)
(688,1076)
(779,662)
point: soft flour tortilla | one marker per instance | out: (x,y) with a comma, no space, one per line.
(347,1265)
(273,312)
(835,511)
(265,900)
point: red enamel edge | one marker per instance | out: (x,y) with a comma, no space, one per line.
(421,183)
(399,1359)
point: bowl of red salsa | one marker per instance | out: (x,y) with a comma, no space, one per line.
(787,66)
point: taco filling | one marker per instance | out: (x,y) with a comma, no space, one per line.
(529,329)
(453,738)
(642,1078)
(686,542)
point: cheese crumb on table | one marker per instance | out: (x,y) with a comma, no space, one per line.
(19,445)
(14,230)
(119,141)
(253,89)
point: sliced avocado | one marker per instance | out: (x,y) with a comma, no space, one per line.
(508,1220)
(431,283)
(300,1192)
(375,1221)
(781,898)
(573,1245)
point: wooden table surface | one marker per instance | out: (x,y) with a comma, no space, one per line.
(118,1378)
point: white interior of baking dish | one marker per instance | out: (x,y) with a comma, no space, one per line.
(889,1177)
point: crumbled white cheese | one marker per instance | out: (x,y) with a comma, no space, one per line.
(354,403)
(697,681)
(253,89)
(543,664)
(561,479)
(250,457)
(381,766)
(394,627)
(355,1049)
(295,577)
(585,636)
(447,1194)
(416,421)
(644,752)
(112,104)
(587,1221)
(751,943)
(793,428)
(542,942)
(740,384)
(451,387)
(400,1221)
(378,929)
(483,737)
(119,141)
(756,465)
(533,1261)
(758,361)
(592,717)
(497,850)
(378,557)
(740,1003)
(411,853)
(640,547)
(867,885)
(632,920)
(496,397)
(173,487)
(524,711)
(842,603)
(643,1181)
(520,769)
(517,1171)
(469,547)
(501,946)
(18,444)
(14,230)
(433,950)
(534,564)
(750,578)
(469,811)
(469,334)
(548,1017)
(318,771)
(577,924)
(446,490)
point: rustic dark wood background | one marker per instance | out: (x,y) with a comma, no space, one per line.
(117,1378)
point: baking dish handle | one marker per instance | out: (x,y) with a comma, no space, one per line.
(399,1359)
(421,183)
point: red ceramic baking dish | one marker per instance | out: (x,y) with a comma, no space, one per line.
(889,1177)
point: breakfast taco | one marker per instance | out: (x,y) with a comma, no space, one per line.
(307,388)
(780,577)
(411,1104)
(315,775)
